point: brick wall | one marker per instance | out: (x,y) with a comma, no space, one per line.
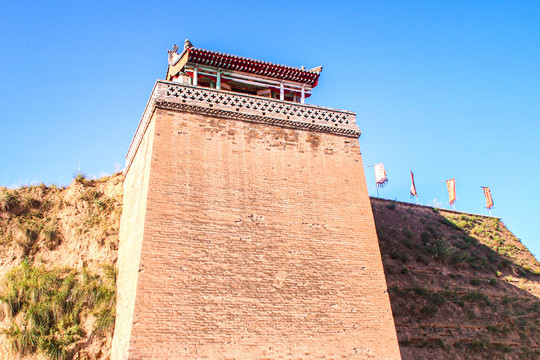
(131,235)
(259,243)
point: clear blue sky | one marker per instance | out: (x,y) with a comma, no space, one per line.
(444,88)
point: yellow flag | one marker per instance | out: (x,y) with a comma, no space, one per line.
(489,199)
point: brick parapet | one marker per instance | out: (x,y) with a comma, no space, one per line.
(242,107)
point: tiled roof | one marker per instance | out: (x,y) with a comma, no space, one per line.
(233,62)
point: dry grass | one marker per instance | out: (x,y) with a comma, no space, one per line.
(61,237)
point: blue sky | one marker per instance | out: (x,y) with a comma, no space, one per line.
(447,89)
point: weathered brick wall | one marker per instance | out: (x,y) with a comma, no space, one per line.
(131,235)
(259,243)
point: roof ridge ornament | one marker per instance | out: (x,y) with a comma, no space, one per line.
(173,54)
(188,44)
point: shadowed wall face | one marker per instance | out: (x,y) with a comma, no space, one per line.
(131,235)
(259,242)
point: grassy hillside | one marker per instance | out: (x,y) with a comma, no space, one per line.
(461,286)
(58,250)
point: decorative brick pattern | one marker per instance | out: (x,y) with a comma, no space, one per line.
(244,107)
(258,241)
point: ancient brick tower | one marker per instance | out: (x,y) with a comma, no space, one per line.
(247,231)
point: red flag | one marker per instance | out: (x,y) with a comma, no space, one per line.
(487,194)
(413,187)
(451,185)
(380,175)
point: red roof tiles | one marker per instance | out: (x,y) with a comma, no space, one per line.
(234,62)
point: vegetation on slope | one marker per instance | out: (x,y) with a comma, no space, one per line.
(57,268)
(46,307)
(460,285)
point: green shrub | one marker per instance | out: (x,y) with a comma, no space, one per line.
(440,250)
(391,206)
(534,307)
(408,234)
(425,237)
(479,344)
(462,245)
(475,296)
(435,300)
(458,257)
(462,224)
(475,282)
(408,243)
(470,314)
(420,290)
(429,309)
(404,270)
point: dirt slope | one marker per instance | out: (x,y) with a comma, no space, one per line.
(72,229)
(461,286)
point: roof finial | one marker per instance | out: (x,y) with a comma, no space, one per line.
(174,50)
(173,55)
(187,44)
(316,70)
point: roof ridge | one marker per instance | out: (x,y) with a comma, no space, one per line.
(251,59)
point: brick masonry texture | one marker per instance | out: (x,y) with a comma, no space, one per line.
(258,243)
(131,235)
